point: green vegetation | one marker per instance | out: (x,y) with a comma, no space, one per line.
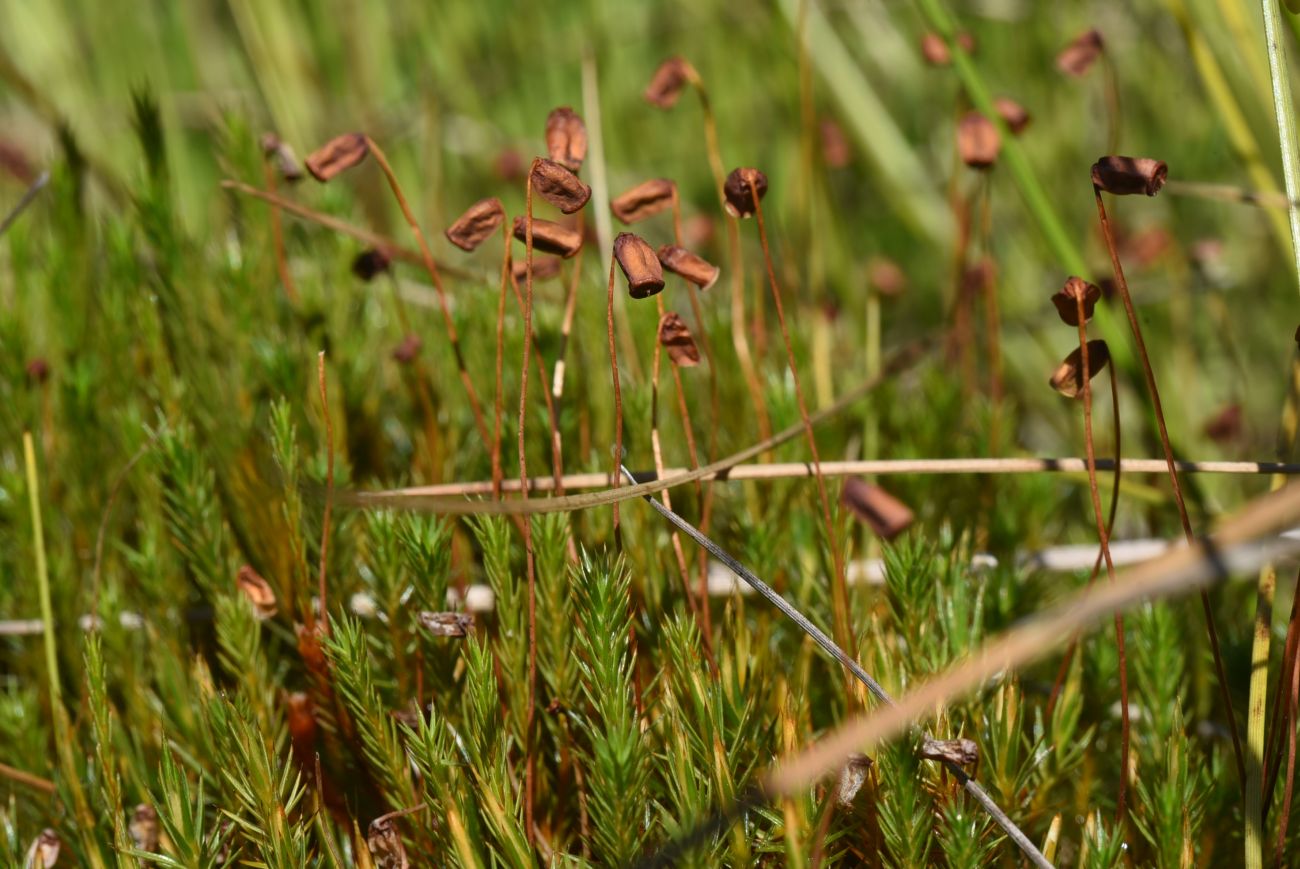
(182,490)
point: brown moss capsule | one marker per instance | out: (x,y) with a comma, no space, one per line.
(668,82)
(852,777)
(1226,425)
(1124,176)
(476,224)
(640,266)
(38,370)
(675,337)
(558,186)
(693,268)
(935,50)
(385,844)
(644,200)
(835,145)
(1082,52)
(143,827)
(886,277)
(882,512)
(406,352)
(739,193)
(371,263)
(566,138)
(978,141)
(545,268)
(258,591)
(1068,378)
(301,717)
(1012,114)
(550,237)
(447,624)
(961,752)
(44,850)
(1067,300)
(282,157)
(337,155)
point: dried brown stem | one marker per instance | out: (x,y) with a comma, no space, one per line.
(1154,391)
(1066,659)
(615,476)
(1293,713)
(699,604)
(329,490)
(277,237)
(839,587)
(373,239)
(426,257)
(1121,800)
(530,761)
(500,389)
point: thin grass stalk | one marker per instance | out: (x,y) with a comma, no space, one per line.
(1114,117)
(839,586)
(1273,747)
(530,757)
(1284,114)
(1172,468)
(1121,800)
(277,237)
(28,197)
(63,736)
(426,257)
(329,492)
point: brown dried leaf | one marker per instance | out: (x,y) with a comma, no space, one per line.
(544,268)
(692,267)
(337,155)
(447,624)
(385,844)
(559,186)
(258,591)
(1012,113)
(143,827)
(44,850)
(1068,378)
(668,82)
(882,512)
(961,752)
(640,266)
(371,263)
(566,138)
(978,141)
(476,224)
(1067,300)
(739,191)
(644,200)
(675,337)
(550,237)
(1079,56)
(1122,176)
